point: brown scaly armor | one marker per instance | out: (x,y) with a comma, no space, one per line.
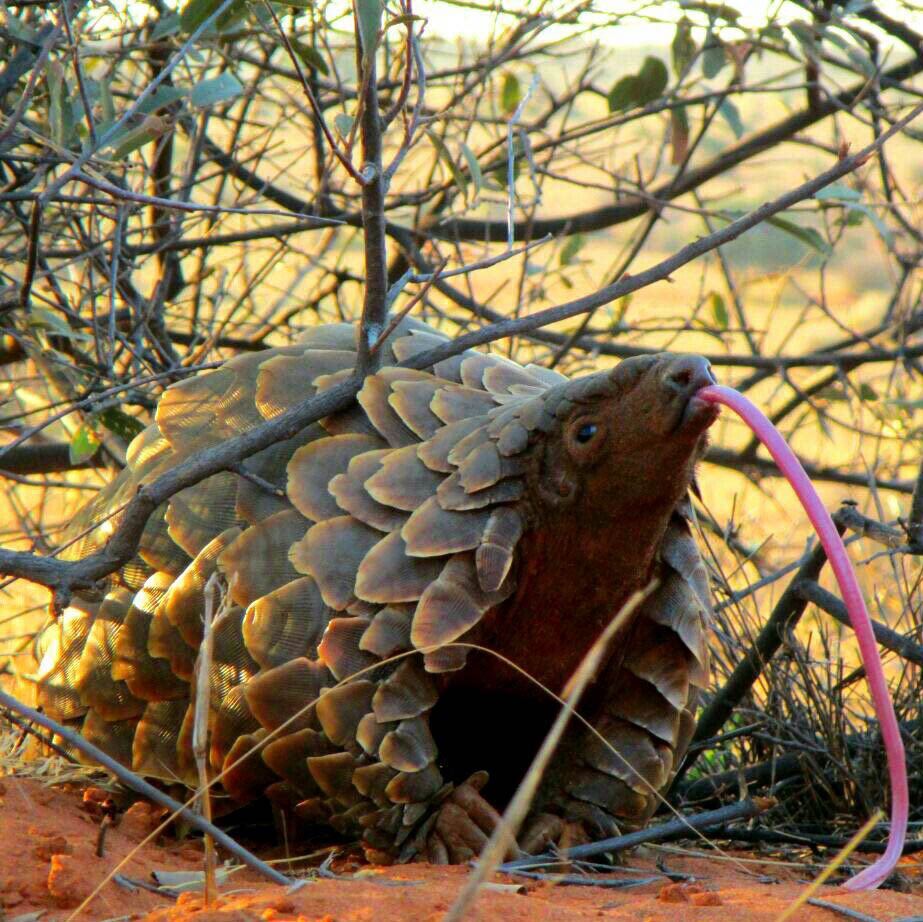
(478,502)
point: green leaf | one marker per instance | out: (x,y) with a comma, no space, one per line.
(121,424)
(233,17)
(857,208)
(719,310)
(652,80)
(404,20)
(446,157)
(806,235)
(216,89)
(839,192)
(623,94)
(571,248)
(713,10)
(641,88)
(310,57)
(474,168)
(21,31)
(683,48)
(42,319)
(108,102)
(805,37)
(368,15)
(867,393)
(679,135)
(510,94)
(729,112)
(130,140)
(195,12)
(84,444)
(55,78)
(343,124)
(165,27)
(163,96)
(861,61)
(713,59)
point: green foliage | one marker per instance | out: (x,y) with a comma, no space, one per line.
(216,90)
(719,310)
(510,94)
(641,88)
(310,57)
(84,444)
(368,15)
(684,48)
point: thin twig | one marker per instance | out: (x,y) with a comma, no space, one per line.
(673,829)
(891,640)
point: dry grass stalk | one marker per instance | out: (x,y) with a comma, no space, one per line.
(213,601)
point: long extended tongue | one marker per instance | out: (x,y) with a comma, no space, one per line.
(764,430)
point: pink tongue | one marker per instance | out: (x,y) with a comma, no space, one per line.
(875,874)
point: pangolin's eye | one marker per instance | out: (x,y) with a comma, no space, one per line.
(586,432)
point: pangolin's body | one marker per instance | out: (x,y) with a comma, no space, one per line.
(477,501)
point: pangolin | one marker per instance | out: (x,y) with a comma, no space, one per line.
(475,505)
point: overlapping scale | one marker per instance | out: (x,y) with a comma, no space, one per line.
(452,604)
(147,677)
(110,700)
(331,552)
(436,532)
(340,649)
(389,631)
(286,623)
(454,403)
(399,528)
(403,481)
(257,562)
(340,709)
(313,466)
(388,573)
(351,495)
(184,601)
(154,751)
(373,398)
(198,514)
(285,694)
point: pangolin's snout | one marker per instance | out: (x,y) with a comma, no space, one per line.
(682,378)
(687,374)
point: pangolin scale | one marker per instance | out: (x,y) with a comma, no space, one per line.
(476,504)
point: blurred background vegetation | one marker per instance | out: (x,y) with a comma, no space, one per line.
(175,189)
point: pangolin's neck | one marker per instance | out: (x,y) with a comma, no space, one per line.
(576,571)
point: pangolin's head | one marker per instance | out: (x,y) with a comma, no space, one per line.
(630,435)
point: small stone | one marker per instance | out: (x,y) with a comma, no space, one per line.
(136,822)
(68,882)
(706,898)
(673,893)
(9,900)
(283,904)
(56,845)
(93,800)
(189,900)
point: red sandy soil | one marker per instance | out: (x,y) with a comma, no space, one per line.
(48,862)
